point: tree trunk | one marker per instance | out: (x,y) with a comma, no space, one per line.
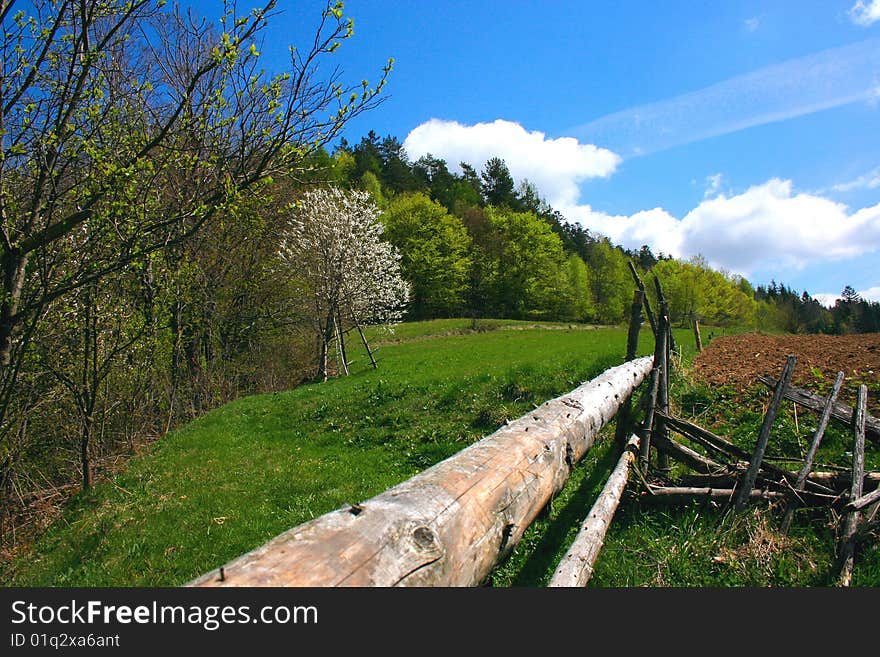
(13,270)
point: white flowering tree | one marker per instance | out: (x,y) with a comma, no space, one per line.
(351,277)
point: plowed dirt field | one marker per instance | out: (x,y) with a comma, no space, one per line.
(737,360)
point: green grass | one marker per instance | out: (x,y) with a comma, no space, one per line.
(244,473)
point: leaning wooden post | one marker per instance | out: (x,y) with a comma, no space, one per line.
(576,567)
(811,453)
(748,481)
(697,338)
(851,520)
(366,345)
(624,416)
(644,292)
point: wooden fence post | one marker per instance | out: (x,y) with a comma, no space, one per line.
(748,480)
(624,416)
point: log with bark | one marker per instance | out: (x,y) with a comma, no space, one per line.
(451,524)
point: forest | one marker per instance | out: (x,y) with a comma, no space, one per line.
(150,184)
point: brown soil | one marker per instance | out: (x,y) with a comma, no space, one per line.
(738,359)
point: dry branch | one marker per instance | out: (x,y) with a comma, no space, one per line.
(576,567)
(451,524)
(677,494)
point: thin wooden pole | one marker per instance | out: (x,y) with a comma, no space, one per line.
(624,416)
(686,494)
(811,453)
(751,474)
(641,286)
(341,335)
(697,337)
(851,520)
(576,567)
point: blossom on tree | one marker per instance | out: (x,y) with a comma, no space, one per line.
(334,247)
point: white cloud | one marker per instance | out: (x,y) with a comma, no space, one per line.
(865,13)
(870,180)
(766,227)
(555,166)
(752,24)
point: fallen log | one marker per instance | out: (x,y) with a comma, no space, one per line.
(576,567)
(451,524)
(839,410)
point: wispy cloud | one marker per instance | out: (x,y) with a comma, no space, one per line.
(713,185)
(865,13)
(870,180)
(820,81)
(752,24)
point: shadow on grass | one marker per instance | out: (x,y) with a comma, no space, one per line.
(543,558)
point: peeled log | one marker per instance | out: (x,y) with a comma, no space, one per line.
(576,567)
(451,524)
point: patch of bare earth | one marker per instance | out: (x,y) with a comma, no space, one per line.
(738,360)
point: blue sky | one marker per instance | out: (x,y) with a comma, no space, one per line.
(746,132)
